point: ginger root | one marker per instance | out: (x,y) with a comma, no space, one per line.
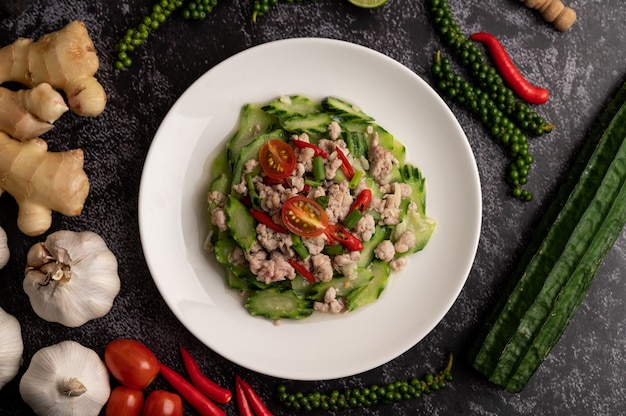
(26,114)
(66,59)
(41,182)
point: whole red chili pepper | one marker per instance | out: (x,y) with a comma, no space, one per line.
(511,75)
(202,382)
(346,167)
(266,220)
(194,397)
(317,151)
(242,402)
(302,270)
(253,398)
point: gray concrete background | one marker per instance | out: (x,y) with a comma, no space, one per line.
(582,68)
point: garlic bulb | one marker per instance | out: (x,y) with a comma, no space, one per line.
(65,379)
(11,347)
(71,278)
(4,249)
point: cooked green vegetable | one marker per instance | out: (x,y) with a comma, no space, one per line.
(367,396)
(561,261)
(277,303)
(248,196)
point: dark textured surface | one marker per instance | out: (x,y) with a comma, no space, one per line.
(584,374)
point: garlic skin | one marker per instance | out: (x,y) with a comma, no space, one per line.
(65,379)
(4,249)
(71,278)
(11,347)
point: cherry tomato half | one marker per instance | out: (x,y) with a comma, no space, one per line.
(277,159)
(124,401)
(163,403)
(131,363)
(304,216)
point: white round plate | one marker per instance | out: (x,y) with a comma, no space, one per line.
(172,209)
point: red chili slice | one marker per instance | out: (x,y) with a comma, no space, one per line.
(344,237)
(346,167)
(362,201)
(266,220)
(318,151)
(301,270)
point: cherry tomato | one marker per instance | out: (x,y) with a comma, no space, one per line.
(163,403)
(304,216)
(124,401)
(131,363)
(277,159)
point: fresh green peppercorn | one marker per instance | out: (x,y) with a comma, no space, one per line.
(499,126)
(475,62)
(366,396)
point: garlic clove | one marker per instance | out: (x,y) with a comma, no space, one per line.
(65,379)
(4,248)
(11,347)
(71,278)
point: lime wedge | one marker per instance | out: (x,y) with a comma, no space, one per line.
(368,4)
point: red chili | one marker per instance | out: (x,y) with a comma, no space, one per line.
(346,167)
(194,397)
(202,382)
(302,270)
(501,59)
(242,402)
(345,237)
(253,398)
(362,201)
(271,181)
(266,220)
(317,151)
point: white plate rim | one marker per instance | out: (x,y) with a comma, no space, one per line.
(167,199)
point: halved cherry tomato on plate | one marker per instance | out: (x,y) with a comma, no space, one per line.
(132,363)
(304,216)
(163,403)
(124,401)
(277,159)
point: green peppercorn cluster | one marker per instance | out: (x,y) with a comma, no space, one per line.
(160,12)
(367,396)
(498,125)
(508,120)
(262,7)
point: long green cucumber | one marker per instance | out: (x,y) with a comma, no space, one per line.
(559,264)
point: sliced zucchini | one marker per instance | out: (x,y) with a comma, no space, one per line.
(313,124)
(344,109)
(356,143)
(253,122)
(240,223)
(367,254)
(278,303)
(370,292)
(422,228)
(223,248)
(343,285)
(234,281)
(251,151)
(293,105)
